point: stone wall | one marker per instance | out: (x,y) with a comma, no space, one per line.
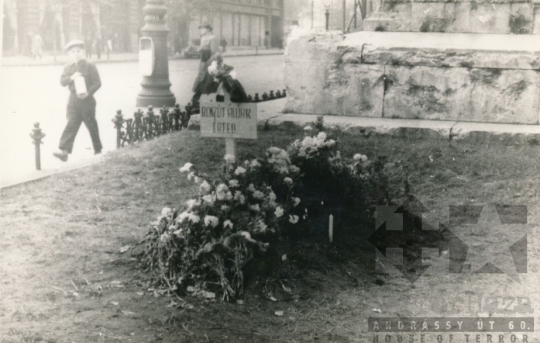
(484,78)
(495,16)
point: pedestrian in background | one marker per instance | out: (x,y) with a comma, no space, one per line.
(224,44)
(267,39)
(37,46)
(83,81)
(98,44)
(29,43)
(88,46)
(209,50)
(106,44)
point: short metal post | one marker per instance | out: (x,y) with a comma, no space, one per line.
(177,114)
(164,120)
(118,123)
(150,124)
(37,135)
(138,125)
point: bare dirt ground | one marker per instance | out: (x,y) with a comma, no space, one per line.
(63,279)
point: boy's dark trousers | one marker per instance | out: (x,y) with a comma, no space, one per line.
(80,111)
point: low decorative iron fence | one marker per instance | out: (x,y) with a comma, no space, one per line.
(148,125)
(268,96)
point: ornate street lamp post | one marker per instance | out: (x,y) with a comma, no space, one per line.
(327,14)
(155,82)
(327,4)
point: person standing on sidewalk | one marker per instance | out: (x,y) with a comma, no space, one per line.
(37,47)
(82,79)
(208,50)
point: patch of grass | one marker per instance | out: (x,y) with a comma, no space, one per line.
(77,231)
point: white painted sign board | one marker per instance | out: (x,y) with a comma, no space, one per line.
(227,119)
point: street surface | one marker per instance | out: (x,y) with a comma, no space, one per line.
(33,94)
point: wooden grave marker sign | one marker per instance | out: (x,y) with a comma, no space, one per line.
(229,120)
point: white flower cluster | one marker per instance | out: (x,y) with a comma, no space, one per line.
(193,204)
(260,201)
(209,199)
(238,196)
(279,158)
(359,166)
(192,175)
(211,221)
(360,157)
(205,188)
(186,168)
(188,215)
(310,146)
(223,192)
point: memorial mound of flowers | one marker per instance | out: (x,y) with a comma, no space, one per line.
(257,205)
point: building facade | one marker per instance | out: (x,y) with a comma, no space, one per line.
(240,23)
(58,21)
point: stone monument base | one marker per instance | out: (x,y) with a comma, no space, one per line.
(441,76)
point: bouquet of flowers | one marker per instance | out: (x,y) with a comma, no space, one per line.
(224,75)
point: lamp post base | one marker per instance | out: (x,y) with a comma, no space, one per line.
(155,85)
(145,101)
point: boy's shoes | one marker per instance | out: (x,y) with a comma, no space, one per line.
(97,152)
(62,155)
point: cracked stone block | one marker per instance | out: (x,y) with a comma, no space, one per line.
(510,97)
(483,95)
(440,17)
(424,92)
(449,57)
(392,16)
(488,16)
(434,76)
(332,81)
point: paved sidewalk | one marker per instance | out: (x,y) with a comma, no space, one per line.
(271,112)
(61,58)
